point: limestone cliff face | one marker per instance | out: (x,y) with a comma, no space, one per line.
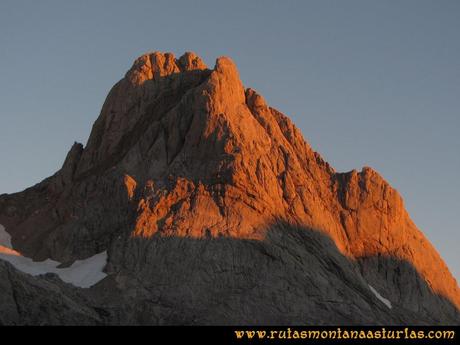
(184,152)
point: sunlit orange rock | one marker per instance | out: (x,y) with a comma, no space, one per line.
(183,151)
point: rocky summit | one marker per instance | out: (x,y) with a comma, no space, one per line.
(214,210)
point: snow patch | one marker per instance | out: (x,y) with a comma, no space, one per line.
(380,297)
(5,238)
(83,273)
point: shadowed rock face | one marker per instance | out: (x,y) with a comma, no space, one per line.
(184,162)
(294,276)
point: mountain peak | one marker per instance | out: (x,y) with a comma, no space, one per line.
(190,61)
(225,65)
(156,64)
(183,152)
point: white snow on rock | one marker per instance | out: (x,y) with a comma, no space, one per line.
(5,238)
(83,273)
(380,297)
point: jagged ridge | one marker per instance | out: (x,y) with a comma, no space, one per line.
(183,151)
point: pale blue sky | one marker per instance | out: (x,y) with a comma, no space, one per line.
(372,83)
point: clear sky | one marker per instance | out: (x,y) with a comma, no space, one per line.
(373,83)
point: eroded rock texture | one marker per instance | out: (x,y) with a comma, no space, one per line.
(215,210)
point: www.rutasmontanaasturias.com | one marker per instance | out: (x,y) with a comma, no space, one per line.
(340,333)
